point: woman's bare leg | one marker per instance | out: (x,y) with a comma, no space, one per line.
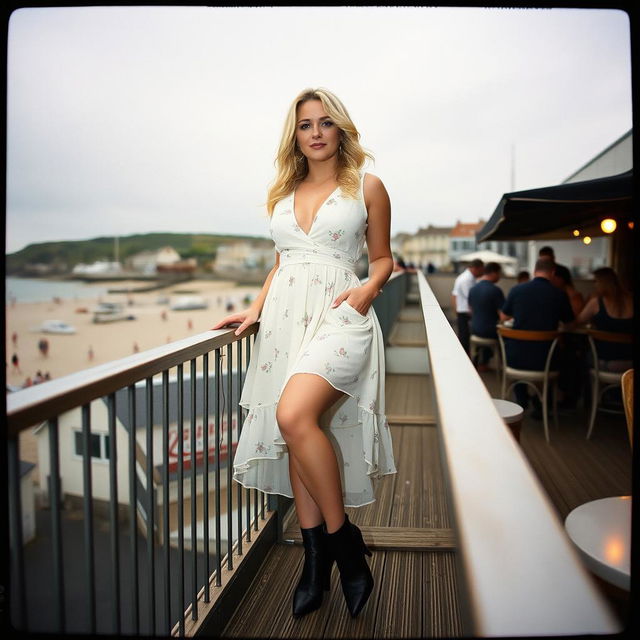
(305,397)
(309,514)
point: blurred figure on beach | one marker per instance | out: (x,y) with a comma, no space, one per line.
(90,354)
(43,347)
(15,361)
(14,339)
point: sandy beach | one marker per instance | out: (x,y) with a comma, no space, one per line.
(94,344)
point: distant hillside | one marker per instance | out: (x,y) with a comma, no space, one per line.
(63,256)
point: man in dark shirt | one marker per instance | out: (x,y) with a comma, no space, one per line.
(534,306)
(485,300)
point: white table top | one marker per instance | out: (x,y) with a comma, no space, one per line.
(509,411)
(601,530)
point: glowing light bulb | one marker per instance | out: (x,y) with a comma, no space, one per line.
(576,233)
(586,240)
(608,225)
(630,223)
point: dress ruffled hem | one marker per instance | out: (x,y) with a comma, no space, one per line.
(364,444)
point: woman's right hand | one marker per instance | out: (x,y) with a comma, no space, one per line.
(245,318)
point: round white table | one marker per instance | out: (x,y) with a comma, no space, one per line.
(511,413)
(601,531)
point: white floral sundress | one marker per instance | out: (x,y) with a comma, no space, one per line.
(300,333)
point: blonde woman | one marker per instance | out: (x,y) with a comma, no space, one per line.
(316,428)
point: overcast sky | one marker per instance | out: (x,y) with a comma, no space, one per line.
(126,120)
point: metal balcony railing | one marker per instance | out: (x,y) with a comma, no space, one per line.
(162,469)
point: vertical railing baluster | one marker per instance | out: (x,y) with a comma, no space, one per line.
(205,473)
(180,390)
(165,502)
(151,561)
(248,491)
(228,440)
(194,502)
(56,524)
(133,511)
(88,516)
(218,386)
(241,370)
(113,512)
(255,509)
(16,534)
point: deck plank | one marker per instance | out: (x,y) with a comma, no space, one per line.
(441,613)
(408,334)
(399,613)
(408,398)
(407,503)
(435,507)
(255,612)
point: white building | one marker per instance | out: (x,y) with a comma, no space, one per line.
(428,245)
(71,446)
(147,262)
(245,254)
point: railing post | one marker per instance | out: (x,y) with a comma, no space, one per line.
(113,512)
(16,533)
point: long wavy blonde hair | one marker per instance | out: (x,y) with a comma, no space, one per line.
(291,164)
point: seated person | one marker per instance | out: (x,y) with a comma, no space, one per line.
(611,309)
(562,279)
(534,306)
(573,348)
(485,301)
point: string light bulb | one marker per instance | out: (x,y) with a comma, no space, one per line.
(630,223)
(576,233)
(608,225)
(586,240)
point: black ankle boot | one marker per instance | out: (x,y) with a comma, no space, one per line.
(348,548)
(316,572)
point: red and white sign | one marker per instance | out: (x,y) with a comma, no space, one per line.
(186,444)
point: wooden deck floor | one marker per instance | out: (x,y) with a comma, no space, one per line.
(408,529)
(409,526)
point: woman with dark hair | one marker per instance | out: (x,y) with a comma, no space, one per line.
(611,309)
(562,279)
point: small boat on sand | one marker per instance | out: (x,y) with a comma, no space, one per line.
(55,326)
(187,303)
(110,312)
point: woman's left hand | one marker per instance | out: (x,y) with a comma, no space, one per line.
(360,298)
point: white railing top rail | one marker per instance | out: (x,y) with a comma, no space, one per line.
(521,573)
(41,402)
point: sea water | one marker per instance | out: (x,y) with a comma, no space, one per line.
(44,290)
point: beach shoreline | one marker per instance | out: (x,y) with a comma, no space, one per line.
(155,324)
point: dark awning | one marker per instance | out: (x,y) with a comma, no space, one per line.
(554,212)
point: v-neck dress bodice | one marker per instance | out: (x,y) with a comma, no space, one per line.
(301,333)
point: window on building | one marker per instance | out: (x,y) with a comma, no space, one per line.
(98,444)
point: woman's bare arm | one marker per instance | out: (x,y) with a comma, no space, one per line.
(378,233)
(378,245)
